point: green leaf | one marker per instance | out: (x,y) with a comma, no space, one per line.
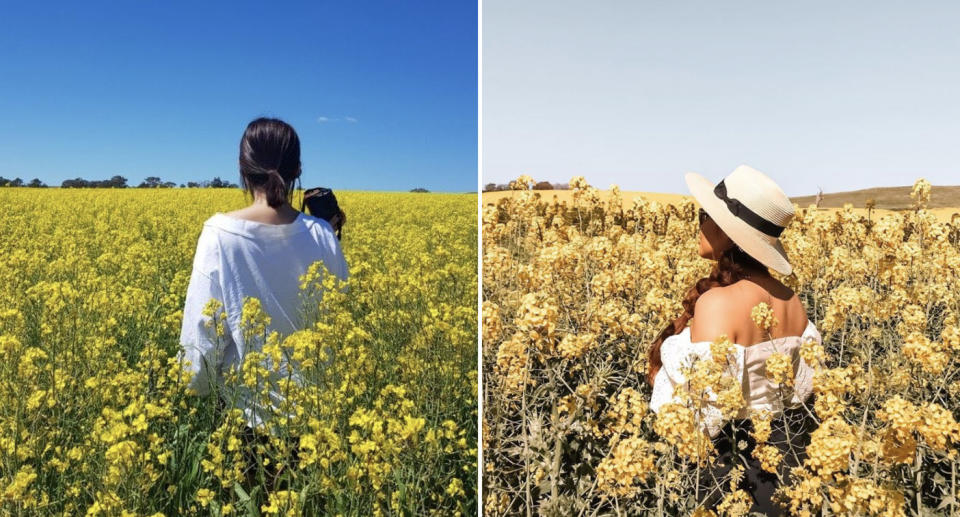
(241,493)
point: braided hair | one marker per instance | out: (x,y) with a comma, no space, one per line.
(731,267)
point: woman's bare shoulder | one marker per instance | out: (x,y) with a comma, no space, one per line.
(714,314)
(726,310)
(716,297)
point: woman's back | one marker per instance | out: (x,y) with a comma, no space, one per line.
(265,261)
(237,259)
(727,310)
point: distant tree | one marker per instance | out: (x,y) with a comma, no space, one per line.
(36,183)
(219,183)
(17,182)
(150,182)
(117,182)
(181,185)
(193,184)
(4,181)
(543,185)
(496,187)
(419,189)
(168,184)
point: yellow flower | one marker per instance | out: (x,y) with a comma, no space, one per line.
(455,488)
(631,462)
(779,369)
(921,193)
(769,457)
(19,485)
(735,504)
(283,502)
(762,316)
(830,447)
(204,497)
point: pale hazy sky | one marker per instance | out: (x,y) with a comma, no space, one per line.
(637,93)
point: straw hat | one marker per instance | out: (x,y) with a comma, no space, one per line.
(751,209)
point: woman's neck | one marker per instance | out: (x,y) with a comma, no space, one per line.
(260,203)
(260,211)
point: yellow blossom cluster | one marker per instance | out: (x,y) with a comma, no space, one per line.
(677,425)
(627,412)
(762,316)
(779,369)
(767,454)
(573,346)
(906,421)
(630,462)
(921,193)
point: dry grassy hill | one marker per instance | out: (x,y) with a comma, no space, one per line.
(889,198)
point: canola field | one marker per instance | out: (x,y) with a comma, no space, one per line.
(95,417)
(574,293)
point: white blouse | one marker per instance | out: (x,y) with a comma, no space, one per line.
(235,259)
(748,364)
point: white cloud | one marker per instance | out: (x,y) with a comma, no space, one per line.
(322,119)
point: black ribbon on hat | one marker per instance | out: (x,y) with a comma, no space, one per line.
(746,215)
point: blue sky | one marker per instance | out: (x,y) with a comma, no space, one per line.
(382,94)
(838,95)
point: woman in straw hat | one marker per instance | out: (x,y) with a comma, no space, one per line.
(741,219)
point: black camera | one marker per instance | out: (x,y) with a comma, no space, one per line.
(323,204)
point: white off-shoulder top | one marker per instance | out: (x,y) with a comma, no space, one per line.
(748,364)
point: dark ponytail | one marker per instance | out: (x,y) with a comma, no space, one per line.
(270,159)
(731,267)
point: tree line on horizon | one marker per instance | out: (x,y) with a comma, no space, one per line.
(543,185)
(119,182)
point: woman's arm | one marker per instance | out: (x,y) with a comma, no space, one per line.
(200,342)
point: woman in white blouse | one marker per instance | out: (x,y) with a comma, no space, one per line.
(741,219)
(259,251)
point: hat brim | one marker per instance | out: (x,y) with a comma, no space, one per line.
(766,249)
